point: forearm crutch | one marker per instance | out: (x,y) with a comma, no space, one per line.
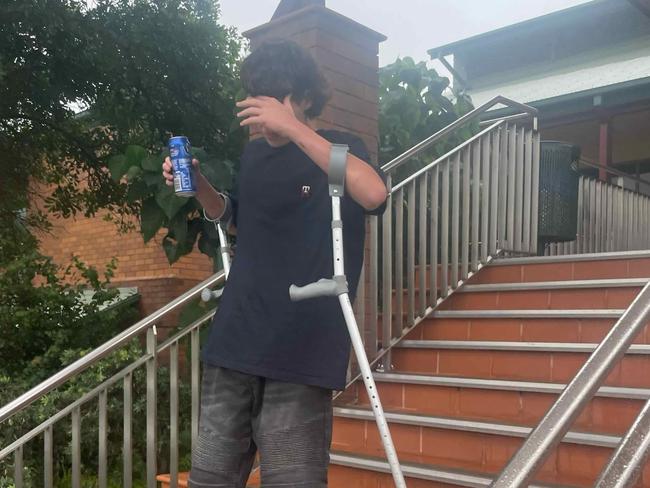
(224,249)
(338,286)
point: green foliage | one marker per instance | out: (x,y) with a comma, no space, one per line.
(142,69)
(414,103)
(88,97)
(140,172)
(48,320)
(44,326)
(40,324)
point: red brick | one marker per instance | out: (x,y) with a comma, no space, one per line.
(638,268)
(489,404)
(594,330)
(391,394)
(547,272)
(524,366)
(415,360)
(551,330)
(523,300)
(605,269)
(613,415)
(635,371)
(580,465)
(348,434)
(431,400)
(453,448)
(495,330)
(498,274)
(621,297)
(465,363)
(407,439)
(567,365)
(445,329)
(470,301)
(594,298)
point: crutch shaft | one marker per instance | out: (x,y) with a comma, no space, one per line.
(371,389)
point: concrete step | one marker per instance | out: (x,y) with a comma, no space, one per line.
(631,264)
(481,447)
(612,411)
(491,297)
(559,367)
(576,326)
(350,470)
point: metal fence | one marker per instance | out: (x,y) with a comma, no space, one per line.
(445,221)
(610,218)
(70,417)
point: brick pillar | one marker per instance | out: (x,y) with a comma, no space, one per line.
(345,50)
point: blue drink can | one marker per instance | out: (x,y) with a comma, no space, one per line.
(180,153)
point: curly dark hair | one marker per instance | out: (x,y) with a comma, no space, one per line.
(281,67)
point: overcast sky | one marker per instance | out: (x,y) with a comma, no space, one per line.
(412,26)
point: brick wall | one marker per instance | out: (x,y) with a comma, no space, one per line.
(96,241)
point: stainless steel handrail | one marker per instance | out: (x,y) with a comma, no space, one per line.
(626,464)
(102,386)
(446,156)
(468,117)
(477,199)
(555,424)
(613,171)
(109,346)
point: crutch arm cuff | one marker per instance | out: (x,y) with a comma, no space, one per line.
(226,214)
(337,169)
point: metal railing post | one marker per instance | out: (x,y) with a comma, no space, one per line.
(152,407)
(76,447)
(102,464)
(173,415)
(387,280)
(18,467)
(127,441)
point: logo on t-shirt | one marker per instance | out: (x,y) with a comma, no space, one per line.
(305,191)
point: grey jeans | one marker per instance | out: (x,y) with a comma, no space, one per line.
(290,425)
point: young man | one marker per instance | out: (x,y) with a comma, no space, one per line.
(270,365)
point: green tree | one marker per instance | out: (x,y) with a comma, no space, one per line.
(49,317)
(414,103)
(78,86)
(141,69)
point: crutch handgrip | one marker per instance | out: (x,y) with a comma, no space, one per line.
(322,288)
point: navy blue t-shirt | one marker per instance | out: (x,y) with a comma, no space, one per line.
(283,216)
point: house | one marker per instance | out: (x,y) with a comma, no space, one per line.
(587,70)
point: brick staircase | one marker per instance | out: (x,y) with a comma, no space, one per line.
(470,381)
